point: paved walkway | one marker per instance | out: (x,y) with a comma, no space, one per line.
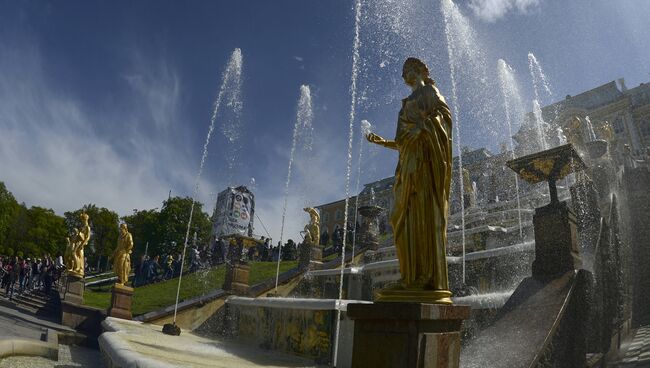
(69,357)
(637,354)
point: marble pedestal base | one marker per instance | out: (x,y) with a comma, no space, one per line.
(556,244)
(237,276)
(408,335)
(75,287)
(121,298)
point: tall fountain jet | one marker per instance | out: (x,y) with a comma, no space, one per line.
(540,85)
(365,130)
(231,79)
(302,128)
(512,105)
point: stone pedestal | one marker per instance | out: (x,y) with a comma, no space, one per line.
(316,258)
(121,297)
(75,287)
(408,335)
(236,280)
(556,244)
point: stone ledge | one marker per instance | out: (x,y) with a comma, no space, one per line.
(408,311)
(10,347)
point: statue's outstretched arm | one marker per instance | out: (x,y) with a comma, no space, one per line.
(374,138)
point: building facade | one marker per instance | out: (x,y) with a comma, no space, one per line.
(626,110)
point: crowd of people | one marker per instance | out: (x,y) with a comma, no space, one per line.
(29,275)
(149,270)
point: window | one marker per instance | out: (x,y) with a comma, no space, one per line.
(338,214)
(619,127)
(326,217)
(645,128)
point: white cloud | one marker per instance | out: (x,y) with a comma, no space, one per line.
(298,58)
(493,10)
(54,152)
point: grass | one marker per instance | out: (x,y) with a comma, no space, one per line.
(162,294)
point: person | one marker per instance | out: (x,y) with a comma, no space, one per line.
(13,270)
(35,274)
(324,238)
(195,260)
(153,269)
(421,189)
(137,270)
(169,267)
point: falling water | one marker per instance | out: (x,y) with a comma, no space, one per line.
(540,126)
(365,130)
(450,12)
(590,130)
(510,92)
(540,84)
(353,104)
(304,116)
(539,78)
(231,77)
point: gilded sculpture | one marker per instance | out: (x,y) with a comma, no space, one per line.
(422,184)
(312,229)
(122,255)
(75,261)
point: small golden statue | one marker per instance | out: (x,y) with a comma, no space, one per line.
(422,185)
(574,133)
(312,229)
(122,255)
(75,262)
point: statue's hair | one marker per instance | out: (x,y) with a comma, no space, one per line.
(421,68)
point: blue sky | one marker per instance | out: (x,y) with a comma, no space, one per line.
(109,102)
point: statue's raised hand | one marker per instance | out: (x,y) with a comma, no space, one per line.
(374,138)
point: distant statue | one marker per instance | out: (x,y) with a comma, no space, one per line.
(421,189)
(574,133)
(69,251)
(312,229)
(605,131)
(122,255)
(79,241)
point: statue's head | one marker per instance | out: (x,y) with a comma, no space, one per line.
(124,228)
(414,70)
(84,217)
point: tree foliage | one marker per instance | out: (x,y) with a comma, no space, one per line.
(36,230)
(165,230)
(31,232)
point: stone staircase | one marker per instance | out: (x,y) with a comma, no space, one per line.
(37,303)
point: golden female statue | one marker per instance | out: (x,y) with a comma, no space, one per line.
(79,241)
(422,185)
(122,255)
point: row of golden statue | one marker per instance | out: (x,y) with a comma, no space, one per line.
(74,253)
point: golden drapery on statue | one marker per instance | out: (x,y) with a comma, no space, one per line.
(422,185)
(312,229)
(74,260)
(122,255)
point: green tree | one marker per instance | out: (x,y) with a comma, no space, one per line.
(144,227)
(9,208)
(173,225)
(104,225)
(36,231)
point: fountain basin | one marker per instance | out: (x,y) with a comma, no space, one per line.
(298,326)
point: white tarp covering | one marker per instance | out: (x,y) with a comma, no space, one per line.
(234,212)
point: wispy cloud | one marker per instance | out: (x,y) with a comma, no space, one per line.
(53,152)
(493,10)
